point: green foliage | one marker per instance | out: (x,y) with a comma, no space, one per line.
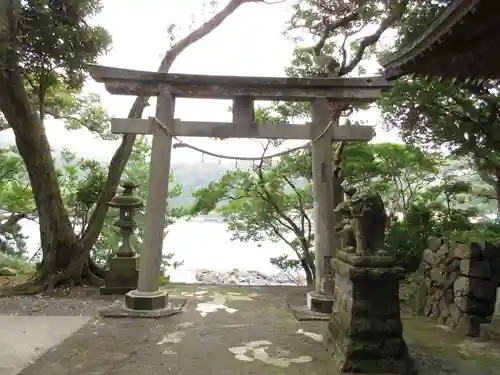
(273,201)
(337,28)
(15,194)
(55,36)
(16,262)
(46,46)
(53,41)
(418,16)
(15,200)
(458,117)
(137,170)
(164,280)
(425,195)
(446,207)
(81,182)
(406,237)
(265,203)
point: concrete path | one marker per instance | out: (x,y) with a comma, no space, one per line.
(23,339)
(224,331)
(221,332)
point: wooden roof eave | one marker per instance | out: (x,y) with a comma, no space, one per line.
(393,64)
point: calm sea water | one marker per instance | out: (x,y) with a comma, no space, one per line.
(202,244)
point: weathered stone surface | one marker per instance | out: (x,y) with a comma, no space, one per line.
(450,279)
(320,303)
(469,325)
(455,316)
(373,328)
(435,311)
(497,304)
(6,271)
(379,261)
(472,306)
(479,289)
(480,269)
(430,257)
(437,276)
(122,276)
(366,274)
(449,296)
(495,268)
(468,251)
(366,325)
(442,253)
(491,251)
(121,311)
(433,243)
(120,282)
(135,300)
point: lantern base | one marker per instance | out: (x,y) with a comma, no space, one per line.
(122,276)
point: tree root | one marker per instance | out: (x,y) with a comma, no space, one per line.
(96,269)
(89,274)
(75,275)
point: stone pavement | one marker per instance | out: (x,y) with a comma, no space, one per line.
(23,339)
(235,330)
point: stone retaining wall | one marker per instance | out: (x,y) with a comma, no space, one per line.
(456,284)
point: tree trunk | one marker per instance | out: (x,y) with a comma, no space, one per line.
(56,234)
(497,192)
(308,271)
(65,258)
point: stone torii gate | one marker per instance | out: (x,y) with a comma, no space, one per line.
(243,91)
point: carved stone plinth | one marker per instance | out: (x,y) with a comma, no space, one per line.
(319,302)
(122,276)
(143,305)
(365,326)
(136,300)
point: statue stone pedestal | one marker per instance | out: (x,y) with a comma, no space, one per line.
(122,276)
(365,326)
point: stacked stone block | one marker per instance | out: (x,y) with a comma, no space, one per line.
(456,284)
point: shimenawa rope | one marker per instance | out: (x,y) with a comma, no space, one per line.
(184,144)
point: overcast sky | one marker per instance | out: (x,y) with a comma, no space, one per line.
(250,42)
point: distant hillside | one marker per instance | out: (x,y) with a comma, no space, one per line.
(194,176)
(191,176)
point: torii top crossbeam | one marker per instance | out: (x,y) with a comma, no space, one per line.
(135,82)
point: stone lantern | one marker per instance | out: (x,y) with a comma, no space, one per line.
(124,264)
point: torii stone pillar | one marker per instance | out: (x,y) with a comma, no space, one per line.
(321,299)
(148,296)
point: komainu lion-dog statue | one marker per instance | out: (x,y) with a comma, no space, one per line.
(364,223)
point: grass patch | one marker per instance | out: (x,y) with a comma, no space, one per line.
(24,271)
(424,336)
(18,264)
